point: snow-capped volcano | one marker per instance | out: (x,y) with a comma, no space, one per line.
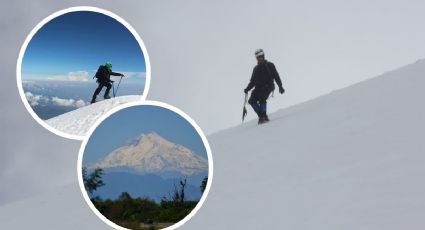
(151,153)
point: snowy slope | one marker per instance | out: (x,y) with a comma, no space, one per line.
(350,160)
(353,159)
(63,208)
(79,121)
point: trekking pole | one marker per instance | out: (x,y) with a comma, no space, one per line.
(113,89)
(118,85)
(244,112)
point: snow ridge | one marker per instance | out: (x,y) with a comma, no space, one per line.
(79,121)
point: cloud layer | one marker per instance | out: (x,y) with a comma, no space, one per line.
(71,76)
(135,74)
(36,99)
(68,102)
(81,75)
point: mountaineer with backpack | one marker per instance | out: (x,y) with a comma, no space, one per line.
(103,76)
(263,77)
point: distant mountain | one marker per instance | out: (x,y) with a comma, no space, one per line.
(148,185)
(152,154)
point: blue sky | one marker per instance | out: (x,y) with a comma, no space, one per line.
(129,123)
(77,43)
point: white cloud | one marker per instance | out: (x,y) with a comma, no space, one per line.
(68,102)
(78,76)
(57,78)
(63,102)
(80,103)
(35,99)
(85,76)
(71,76)
(135,74)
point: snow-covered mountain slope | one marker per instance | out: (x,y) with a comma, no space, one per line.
(151,153)
(62,208)
(79,121)
(353,159)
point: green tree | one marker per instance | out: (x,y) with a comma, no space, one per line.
(93,181)
(124,196)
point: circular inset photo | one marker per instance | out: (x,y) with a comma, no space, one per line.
(146,165)
(76,65)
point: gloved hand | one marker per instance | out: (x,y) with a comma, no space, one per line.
(281,90)
(122,75)
(245,91)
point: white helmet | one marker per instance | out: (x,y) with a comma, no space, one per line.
(259,52)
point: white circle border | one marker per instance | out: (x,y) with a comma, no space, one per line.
(48,19)
(143,103)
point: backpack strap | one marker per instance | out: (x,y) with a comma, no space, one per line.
(267,67)
(268,71)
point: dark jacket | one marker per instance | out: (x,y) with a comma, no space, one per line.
(103,74)
(263,77)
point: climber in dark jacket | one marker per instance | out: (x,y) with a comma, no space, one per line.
(103,76)
(262,80)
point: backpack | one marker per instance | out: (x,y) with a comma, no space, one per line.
(272,86)
(101,73)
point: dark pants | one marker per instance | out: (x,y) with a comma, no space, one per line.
(102,84)
(258,101)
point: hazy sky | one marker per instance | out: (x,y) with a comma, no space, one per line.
(126,125)
(77,43)
(201,54)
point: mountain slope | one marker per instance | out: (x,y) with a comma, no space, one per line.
(151,153)
(79,121)
(62,208)
(349,160)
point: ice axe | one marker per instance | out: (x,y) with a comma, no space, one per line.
(244,112)
(113,89)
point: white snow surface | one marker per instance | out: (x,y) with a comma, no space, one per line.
(79,121)
(352,160)
(63,208)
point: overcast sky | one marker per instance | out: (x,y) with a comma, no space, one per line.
(202,51)
(201,55)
